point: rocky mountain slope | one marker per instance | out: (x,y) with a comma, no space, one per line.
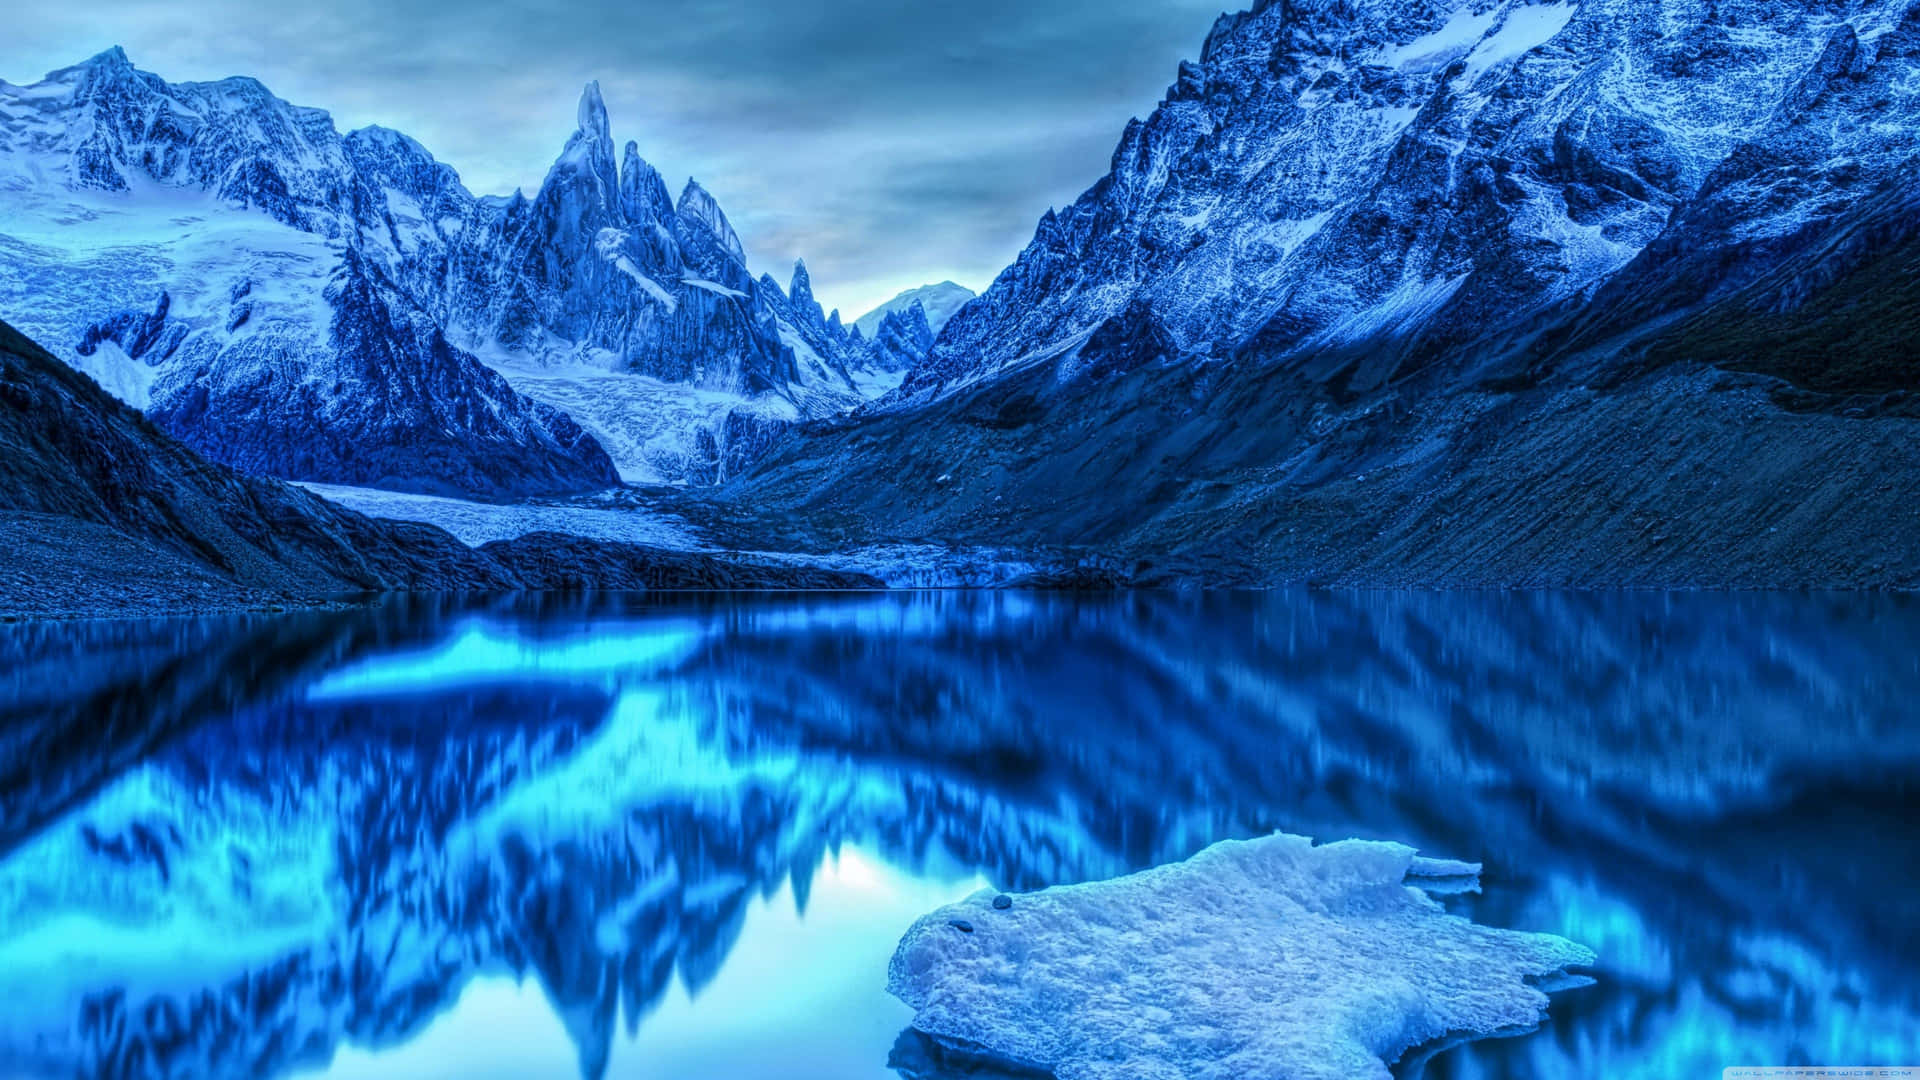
(1606,293)
(101,513)
(326,307)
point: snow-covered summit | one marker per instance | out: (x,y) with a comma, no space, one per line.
(941,302)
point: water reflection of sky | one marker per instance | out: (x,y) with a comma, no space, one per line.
(802,996)
(517,839)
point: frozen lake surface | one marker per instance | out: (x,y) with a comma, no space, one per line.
(671,837)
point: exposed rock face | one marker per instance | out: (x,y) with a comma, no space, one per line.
(382,400)
(1436,293)
(239,209)
(741,441)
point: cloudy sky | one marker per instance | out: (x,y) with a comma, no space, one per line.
(890,142)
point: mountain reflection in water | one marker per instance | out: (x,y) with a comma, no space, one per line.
(679,836)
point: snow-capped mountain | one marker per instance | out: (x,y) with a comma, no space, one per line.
(296,301)
(199,250)
(942,302)
(1397,291)
(1377,184)
(636,314)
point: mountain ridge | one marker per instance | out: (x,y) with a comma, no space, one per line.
(123,181)
(1450,294)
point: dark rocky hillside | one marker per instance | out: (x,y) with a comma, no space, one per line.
(103,514)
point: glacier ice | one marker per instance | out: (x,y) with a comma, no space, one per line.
(479,523)
(1253,960)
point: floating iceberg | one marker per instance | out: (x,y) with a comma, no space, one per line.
(1254,960)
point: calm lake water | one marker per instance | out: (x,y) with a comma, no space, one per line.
(679,837)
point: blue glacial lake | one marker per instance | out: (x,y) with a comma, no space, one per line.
(679,837)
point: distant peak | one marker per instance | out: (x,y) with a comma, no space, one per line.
(386,136)
(111,64)
(593,112)
(115,57)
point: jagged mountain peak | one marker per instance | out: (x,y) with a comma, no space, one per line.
(800,295)
(591,116)
(913,318)
(1332,175)
(589,150)
(902,339)
(109,63)
(697,207)
(112,58)
(599,260)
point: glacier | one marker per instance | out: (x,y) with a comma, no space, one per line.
(475,523)
(1267,959)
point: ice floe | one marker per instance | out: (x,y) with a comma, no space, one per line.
(1254,960)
